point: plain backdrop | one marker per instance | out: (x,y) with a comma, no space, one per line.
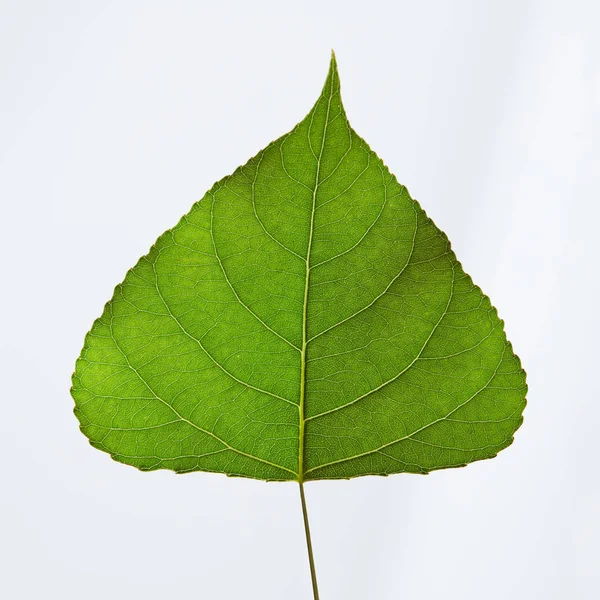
(116,116)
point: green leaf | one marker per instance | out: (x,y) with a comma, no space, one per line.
(305,320)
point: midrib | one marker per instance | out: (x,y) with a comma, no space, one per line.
(301,408)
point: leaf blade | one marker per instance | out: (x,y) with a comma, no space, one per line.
(306,320)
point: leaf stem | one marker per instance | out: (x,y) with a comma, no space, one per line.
(311,560)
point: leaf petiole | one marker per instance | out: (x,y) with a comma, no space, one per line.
(311,560)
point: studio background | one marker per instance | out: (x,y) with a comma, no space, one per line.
(115,117)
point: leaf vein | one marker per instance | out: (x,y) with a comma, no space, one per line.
(411,435)
(179,415)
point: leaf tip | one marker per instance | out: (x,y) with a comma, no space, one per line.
(331,87)
(333,70)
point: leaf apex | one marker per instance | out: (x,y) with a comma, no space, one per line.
(330,95)
(333,66)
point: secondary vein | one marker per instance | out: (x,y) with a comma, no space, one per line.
(420,429)
(180,416)
(212,358)
(218,257)
(405,369)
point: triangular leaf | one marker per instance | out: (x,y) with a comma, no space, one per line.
(305,320)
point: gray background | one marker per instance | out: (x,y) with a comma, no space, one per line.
(116,116)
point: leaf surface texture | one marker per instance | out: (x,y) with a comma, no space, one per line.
(305,320)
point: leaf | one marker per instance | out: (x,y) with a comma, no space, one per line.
(305,320)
